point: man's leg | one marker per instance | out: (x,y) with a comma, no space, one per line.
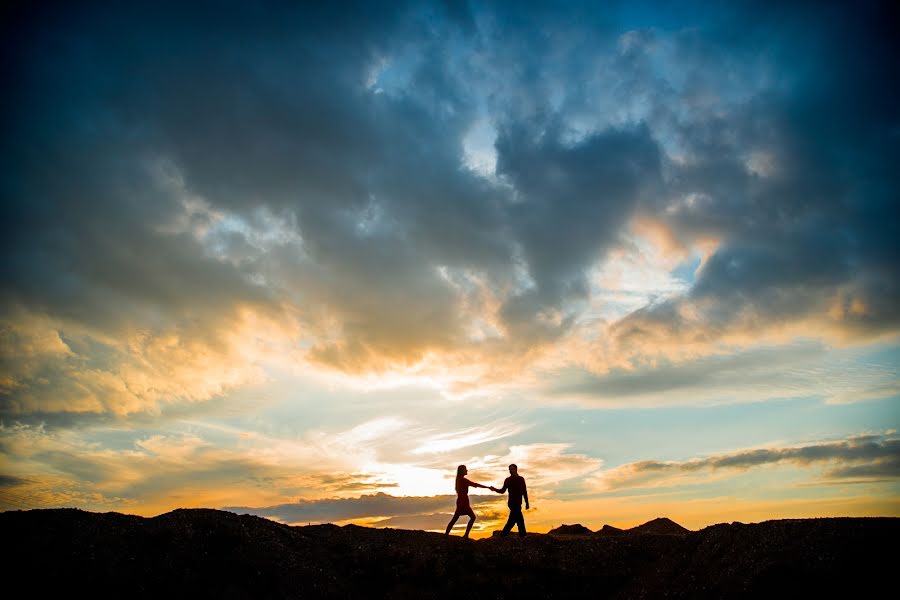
(509,522)
(515,516)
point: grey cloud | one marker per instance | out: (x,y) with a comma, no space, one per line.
(573,199)
(438,521)
(11,481)
(820,225)
(864,456)
(376,505)
(883,469)
(760,366)
(423,521)
(280,121)
(118,117)
(266,111)
(796,370)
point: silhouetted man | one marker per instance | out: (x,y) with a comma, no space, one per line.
(517,491)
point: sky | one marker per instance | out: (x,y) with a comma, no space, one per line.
(302,261)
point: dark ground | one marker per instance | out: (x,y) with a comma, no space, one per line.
(209,553)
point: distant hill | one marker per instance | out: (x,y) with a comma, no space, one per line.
(610,530)
(577,529)
(215,554)
(661,526)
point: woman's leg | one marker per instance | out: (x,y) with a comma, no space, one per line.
(469,526)
(451,523)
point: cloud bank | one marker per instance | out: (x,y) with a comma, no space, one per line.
(199,192)
(868,457)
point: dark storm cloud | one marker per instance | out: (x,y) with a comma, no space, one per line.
(173,165)
(251,107)
(376,505)
(814,233)
(117,117)
(573,199)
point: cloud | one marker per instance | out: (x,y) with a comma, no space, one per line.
(731,374)
(57,368)
(122,239)
(152,471)
(543,465)
(7,481)
(800,244)
(468,437)
(147,472)
(587,190)
(164,204)
(865,457)
(368,506)
(870,392)
(486,519)
(219,465)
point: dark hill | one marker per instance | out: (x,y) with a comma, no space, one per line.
(577,529)
(660,526)
(610,530)
(214,554)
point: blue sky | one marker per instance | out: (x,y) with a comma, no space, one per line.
(302,262)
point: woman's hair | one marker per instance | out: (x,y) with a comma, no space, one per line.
(459,474)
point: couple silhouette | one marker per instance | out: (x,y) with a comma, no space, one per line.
(515,484)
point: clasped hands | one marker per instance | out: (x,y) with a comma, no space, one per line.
(493,489)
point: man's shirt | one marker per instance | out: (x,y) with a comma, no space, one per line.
(516,486)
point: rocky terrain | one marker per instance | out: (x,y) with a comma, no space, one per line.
(209,553)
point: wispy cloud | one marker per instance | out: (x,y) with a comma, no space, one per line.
(468,437)
(794,370)
(890,389)
(544,466)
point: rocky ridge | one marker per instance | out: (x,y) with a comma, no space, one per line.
(209,553)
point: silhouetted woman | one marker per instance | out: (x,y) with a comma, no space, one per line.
(462,500)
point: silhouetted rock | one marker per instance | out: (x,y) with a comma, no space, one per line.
(661,525)
(214,554)
(610,530)
(577,529)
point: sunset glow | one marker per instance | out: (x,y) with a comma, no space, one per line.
(302,263)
